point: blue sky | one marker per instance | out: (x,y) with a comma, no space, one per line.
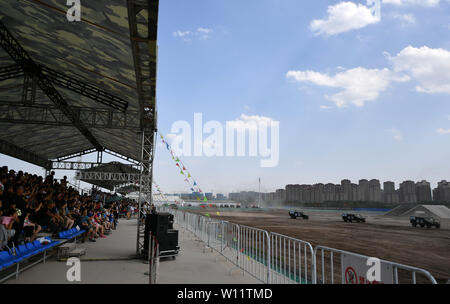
(356,96)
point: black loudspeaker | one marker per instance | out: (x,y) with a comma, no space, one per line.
(168,241)
(161,226)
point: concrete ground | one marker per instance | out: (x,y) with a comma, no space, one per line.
(385,237)
(111,261)
(195,265)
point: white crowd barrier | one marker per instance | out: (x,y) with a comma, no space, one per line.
(339,266)
(278,259)
(292,260)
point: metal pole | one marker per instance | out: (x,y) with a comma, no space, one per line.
(259,192)
(140,194)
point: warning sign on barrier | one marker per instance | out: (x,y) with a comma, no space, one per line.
(362,270)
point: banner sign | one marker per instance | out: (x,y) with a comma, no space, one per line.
(363,270)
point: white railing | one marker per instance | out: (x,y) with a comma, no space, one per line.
(292,260)
(278,259)
(334,265)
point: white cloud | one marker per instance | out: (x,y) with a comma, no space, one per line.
(181,33)
(430,67)
(405,18)
(201,33)
(396,134)
(429,3)
(322,107)
(359,85)
(344,17)
(443,131)
(204,33)
(250,122)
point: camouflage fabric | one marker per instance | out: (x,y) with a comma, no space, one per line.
(97,50)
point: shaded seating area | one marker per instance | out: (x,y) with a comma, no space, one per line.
(26,255)
(70,234)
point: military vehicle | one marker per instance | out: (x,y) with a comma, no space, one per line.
(423,221)
(295,214)
(350,218)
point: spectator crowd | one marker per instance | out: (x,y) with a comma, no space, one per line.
(31,204)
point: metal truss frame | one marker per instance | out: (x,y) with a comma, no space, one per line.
(22,154)
(144,48)
(68,82)
(112,176)
(73,155)
(73,165)
(10,72)
(85,89)
(133,161)
(52,115)
(21,57)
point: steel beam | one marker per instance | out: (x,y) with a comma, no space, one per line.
(29,89)
(135,162)
(85,89)
(73,165)
(10,72)
(52,115)
(71,83)
(22,154)
(144,48)
(110,176)
(21,57)
(73,155)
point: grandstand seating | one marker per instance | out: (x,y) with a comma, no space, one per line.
(70,234)
(24,252)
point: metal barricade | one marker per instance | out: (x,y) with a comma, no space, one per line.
(332,266)
(291,260)
(214,235)
(275,258)
(254,252)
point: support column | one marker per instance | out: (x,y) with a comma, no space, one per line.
(145,185)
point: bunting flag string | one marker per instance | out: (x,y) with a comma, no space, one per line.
(183,171)
(161,194)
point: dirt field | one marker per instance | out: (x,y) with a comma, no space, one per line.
(387,238)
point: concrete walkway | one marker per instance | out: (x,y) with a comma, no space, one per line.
(111,261)
(195,265)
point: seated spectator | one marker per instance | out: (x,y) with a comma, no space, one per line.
(86,225)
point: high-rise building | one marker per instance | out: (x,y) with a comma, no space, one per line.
(374,190)
(423,191)
(442,192)
(390,195)
(346,190)
(407,192)
(330,192)
(363,191)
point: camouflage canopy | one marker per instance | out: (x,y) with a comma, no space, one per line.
(68,87)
